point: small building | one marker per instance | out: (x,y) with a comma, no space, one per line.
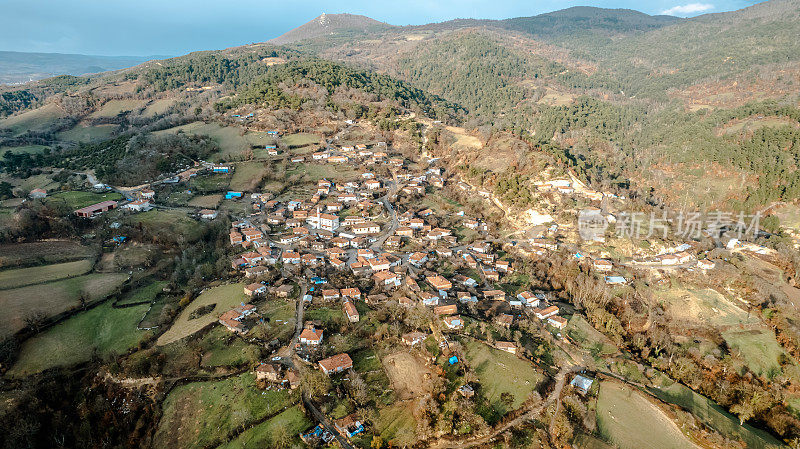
(208,214)
(351,312)
(349,425)
(545,313)
(413,338)
(311,336)
(557,322)
(336,364)
(255,289)
(268,371)
(506,346)
(602,265)
(453,322)
(466,390)
(446,309)
(94,209)
(38,194)
(505,319)
(582,384)
(439,283)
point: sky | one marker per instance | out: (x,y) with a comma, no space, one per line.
(175,27)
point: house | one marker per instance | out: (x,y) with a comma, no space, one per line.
(386,278)
(208,214)
(147,194)
(366,228)
(490,274)
(94,209)
(284,290)
(505,319)
(413,338)
(38,193)
(466,297)
(337,263)
(220,169)
(138,205)
(330,294)
(252,234)
(411,284)
(557,322)
(453,322)
(545,313)
(429,299)
(439,283)
(252,272)
(351,293)
(466,390)
(404,231)
(293,377)
(252,257)
(236,238)
(268,371)
(290,257)
(349,425)
(311,336)
(602,265)
(417,259)
(582,384)
(447,309)
(506,346)
(378,263)
(503,265)
(528,298)
(351,312)
(668,259)
(232,319)
(336,364)
(393,242)
(255,289)
(494,295)
(705,264)
(372,184)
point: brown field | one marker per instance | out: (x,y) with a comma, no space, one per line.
(52,298)
(409,376)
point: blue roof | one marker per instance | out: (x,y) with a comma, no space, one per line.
(453,360)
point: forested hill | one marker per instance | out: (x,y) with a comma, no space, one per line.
(585,20)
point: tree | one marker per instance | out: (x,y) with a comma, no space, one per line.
(35,320)
(507,399)
(315,383)
(377,442)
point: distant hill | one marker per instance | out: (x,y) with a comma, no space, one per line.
(330,24)
(586,20)
(20,67)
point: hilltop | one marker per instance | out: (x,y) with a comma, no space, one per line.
(327,25)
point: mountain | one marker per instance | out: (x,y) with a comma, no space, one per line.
(20,67)
(331,24)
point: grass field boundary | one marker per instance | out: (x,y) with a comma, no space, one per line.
(89,270)
(26,333)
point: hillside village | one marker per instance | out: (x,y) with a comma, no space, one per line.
(370,239)
(472,234)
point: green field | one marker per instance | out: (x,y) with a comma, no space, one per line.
(225,297)
(76,199)
(41,119)
(202,414)
(206,201)
(247,176)
(300,140)
(714,416)
(286,427)
(102,330)
(588,338)
(81,133)
(499,372)
(397,422)
(630,421)
(158,107)
(53,298)
(174,221)
(34,275)
(14,254)
(705,306)
(758,348)
(25,149)
(113,108)
(145,293)
(231,140)
(221,348)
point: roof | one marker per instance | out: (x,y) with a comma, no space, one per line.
(97,206)
(350,309)
(255,286)
(505,345)
(311,334)
(337,361)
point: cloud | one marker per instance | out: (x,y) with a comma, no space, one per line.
(690,8)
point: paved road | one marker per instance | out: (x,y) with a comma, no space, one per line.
(319,416)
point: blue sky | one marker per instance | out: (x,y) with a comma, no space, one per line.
(173,27)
